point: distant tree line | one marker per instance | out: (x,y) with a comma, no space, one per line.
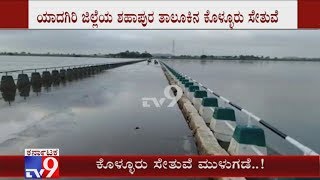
(132,54)
(125,54)
(136,54)
(242,57)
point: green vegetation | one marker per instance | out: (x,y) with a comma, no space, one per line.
(136,54)
(241,57)
(203,57)
(126,54)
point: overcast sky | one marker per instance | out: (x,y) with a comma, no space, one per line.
(192,42)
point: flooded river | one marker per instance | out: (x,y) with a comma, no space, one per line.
(285,94)
(102,114)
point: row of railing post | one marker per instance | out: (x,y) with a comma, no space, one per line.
(46,79)
(185,79)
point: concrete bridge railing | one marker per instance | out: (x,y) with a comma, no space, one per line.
(222,121)
(33,78)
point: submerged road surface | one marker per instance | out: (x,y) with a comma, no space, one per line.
(98,115)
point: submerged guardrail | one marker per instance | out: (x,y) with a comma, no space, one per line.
(24,82)
(306,150)
(109,65)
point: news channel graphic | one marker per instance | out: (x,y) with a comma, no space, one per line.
(41,163)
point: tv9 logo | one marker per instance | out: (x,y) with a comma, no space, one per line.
(41,163)
(166,92)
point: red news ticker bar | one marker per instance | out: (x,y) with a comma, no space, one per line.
(14,14)
(86,166)
(308,14)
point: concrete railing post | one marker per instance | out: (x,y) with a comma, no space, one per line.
(223,123)
(197,98)
(248,141)
(207,108)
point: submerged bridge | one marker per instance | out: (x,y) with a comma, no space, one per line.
(23,82)
(216,126)
(109,107)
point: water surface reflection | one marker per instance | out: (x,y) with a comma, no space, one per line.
(99,115)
